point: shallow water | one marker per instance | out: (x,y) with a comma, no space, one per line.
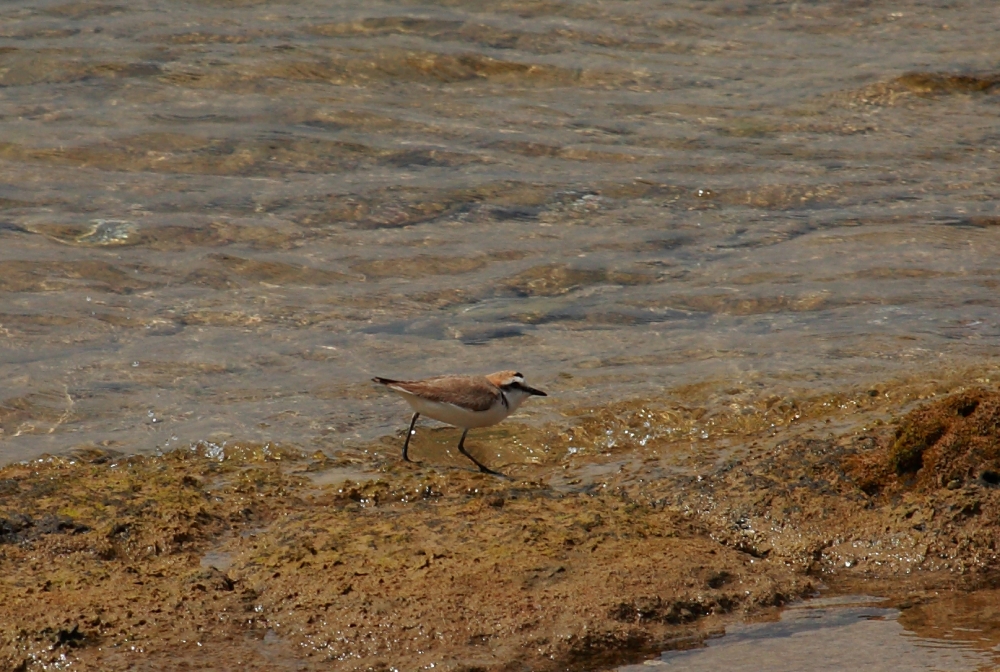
(218,220)
(849,633)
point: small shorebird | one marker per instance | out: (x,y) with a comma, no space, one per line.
(463,401)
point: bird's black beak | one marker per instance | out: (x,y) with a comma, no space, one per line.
(531,390)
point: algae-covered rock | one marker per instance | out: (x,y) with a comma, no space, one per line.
(236,556)
(951,441)
(252,554)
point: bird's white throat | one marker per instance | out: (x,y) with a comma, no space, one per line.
(515,398)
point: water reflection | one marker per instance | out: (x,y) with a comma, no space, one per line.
(836,634)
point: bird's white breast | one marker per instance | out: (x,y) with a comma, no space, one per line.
(455,415)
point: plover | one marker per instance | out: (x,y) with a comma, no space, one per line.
(463,401)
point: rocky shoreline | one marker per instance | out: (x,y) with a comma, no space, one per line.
(260,557)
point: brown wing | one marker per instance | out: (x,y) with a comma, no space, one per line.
(472,392)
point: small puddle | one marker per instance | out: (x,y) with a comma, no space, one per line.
(841,633)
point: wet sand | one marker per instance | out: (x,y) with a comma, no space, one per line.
(273,559)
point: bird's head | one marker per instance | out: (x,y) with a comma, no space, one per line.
(514,388)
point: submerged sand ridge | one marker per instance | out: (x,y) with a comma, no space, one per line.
(263,557)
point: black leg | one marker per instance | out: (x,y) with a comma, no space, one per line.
(482,467)
(409,433)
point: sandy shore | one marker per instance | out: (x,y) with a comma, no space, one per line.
(263,558)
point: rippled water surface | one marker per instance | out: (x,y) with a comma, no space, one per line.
(219,219)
